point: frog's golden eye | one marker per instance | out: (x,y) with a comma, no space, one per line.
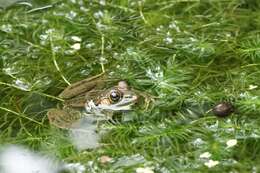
(115,96)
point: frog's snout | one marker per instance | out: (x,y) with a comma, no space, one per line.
(127,100)
(131,98)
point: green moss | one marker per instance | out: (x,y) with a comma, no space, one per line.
(189,54)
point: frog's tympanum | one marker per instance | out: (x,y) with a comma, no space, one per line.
(92,98)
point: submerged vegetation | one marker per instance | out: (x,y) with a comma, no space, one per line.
(189,54)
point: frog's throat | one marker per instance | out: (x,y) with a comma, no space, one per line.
(90,106)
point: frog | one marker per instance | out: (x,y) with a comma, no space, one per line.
(88,98)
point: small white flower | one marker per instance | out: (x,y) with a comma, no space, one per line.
(243,95)
(174,26)
(76,38)
(168,40)
(159,28)
(50,31)
(10,70)
(44,37)
(6,28)
(56,48)
(100,26)
(198,142)
(144,170)
(98,14)
(251,87)
(69,52)
(84,9)
(90,45)
(155,74)
(102,2)
(103,59)
(75,46)
(211,163)
(230,143)
(71,15)
(205,155)
(231,129)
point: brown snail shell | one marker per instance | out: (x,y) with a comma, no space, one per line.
(223,109)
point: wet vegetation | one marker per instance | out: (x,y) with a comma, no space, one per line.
(189,55)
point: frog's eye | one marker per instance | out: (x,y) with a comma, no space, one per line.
(115,95)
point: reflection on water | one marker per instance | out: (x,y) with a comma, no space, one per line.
(84,133)
(5,3)
(16,159)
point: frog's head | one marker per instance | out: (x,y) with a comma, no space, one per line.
(118,98)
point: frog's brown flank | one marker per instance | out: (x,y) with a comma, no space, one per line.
(82,86)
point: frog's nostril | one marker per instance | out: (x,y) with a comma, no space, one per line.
(132,97)
(128,96)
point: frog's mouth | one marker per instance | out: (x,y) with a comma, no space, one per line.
(124,104)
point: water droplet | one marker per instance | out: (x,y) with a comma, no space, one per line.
(17,159)
(71,15)
(98,14)
(22,84)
